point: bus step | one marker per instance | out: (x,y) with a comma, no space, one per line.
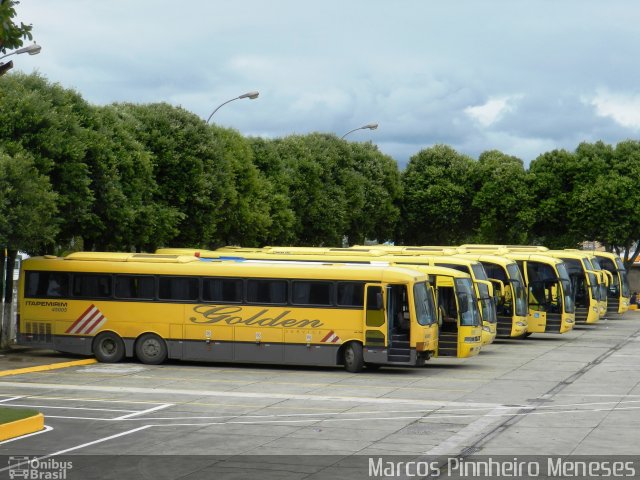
(399,337)
(448,345)
(399,358)
(447,351)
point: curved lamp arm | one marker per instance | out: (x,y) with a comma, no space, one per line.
(249,95)
(368,126)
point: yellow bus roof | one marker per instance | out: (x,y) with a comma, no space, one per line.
(120,263)
(488,257)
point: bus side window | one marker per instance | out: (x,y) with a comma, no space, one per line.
(134,286)
(311,293)
(91,285)
(267,291)
(222,290)
(47,284)
(178,288)
(350,294)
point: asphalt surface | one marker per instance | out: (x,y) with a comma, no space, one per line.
(572,394)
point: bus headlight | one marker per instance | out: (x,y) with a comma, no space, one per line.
(486,329)
(521,324)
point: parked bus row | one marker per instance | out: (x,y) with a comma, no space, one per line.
(358,307)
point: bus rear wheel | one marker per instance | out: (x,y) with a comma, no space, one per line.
(353,357)
(151,349)
(108,348)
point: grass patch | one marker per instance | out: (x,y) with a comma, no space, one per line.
(12,414)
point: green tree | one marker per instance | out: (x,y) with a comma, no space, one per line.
(27,220)
(318,200)
(554,176)
(246,214)
(50,122)
(11,34)
(437,198)
(373,191)
(272,167)
(193,177)
(125,216)
(607,200)
(502,201)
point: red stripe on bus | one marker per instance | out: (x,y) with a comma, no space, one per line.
(80,318)
(94,324)
(88,319)
(328,336)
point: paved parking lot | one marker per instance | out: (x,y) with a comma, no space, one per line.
(572,394)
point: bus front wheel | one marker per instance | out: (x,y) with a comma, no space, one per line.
(353,357)
(151,349)
(108,348)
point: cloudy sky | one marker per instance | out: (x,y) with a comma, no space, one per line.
(520,76)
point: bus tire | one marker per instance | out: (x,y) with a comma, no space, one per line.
(353,357)
(108,347)
(151,349)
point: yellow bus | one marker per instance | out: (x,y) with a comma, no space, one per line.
(605,279)
(511,304)
(550,297)
(618,293)
(585,282)
(446,258)
(460,332)
(117,305)
(509,301)
(452,286)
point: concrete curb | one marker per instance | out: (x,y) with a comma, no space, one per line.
(44,368)
(21,427)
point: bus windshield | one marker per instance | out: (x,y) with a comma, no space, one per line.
(469,314)
(488,306)
(519,294)
(487,303)
(593,285)
(569,303)
(622,276)
(425,307)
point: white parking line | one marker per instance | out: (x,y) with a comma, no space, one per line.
(11,399)
(77,447)
(144,412)
(235,394)
(70,408)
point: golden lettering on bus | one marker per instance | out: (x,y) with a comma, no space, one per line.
(232,315)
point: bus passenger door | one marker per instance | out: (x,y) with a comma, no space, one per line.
(448,319)
(375,328)
(398,324)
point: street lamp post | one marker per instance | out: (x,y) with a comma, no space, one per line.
(368,126)
(249,95)
(33,49)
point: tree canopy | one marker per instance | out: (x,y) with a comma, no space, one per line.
(11,34)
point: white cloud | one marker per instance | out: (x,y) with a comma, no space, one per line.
(624,109)
(492,110)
